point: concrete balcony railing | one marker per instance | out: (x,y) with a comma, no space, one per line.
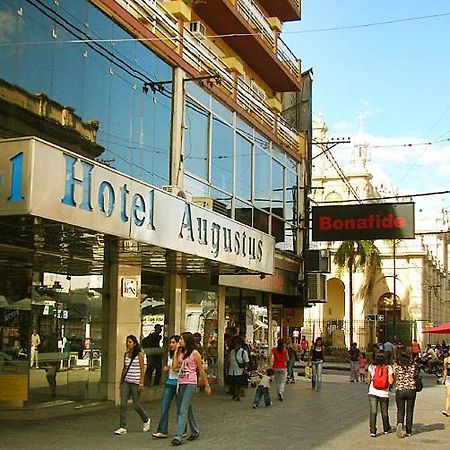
(203,59)
(156,18)
(257,19)
(286,56)
(197,54)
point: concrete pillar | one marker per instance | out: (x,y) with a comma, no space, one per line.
(176,162)
(221,335)
(175,295)
(269,319)
(121,309)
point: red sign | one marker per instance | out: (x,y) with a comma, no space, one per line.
(363,222)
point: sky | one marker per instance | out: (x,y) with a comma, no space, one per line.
(393,78)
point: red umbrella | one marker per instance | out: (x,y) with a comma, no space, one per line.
(443,329)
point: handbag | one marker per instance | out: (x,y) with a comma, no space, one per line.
(242,364)
(124,374)
(419,383)
(308,372)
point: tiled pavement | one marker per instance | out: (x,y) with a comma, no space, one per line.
(335,418)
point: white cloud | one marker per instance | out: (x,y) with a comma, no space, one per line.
(402,165)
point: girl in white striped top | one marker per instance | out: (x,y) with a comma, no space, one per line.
(132,384)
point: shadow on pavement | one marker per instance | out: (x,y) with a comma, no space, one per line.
(420,428)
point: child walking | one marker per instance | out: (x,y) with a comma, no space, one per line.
(362,367)
(263,389)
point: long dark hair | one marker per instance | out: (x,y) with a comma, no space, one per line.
(380,359)
(280,345)
(404,359)
(176,338)
(137,347)
(189,343)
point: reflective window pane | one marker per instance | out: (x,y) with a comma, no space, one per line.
(196,139)
(244,213)
(262,180)
(243,168)
(222,156)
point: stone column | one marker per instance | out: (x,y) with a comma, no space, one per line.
(220,335)
(175,295)
(176,159)
(121,308)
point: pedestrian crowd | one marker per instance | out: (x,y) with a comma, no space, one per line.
(392,367)
(389,367)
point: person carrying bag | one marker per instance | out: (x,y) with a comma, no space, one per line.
(132,384)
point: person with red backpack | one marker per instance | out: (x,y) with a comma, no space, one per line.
(381,376)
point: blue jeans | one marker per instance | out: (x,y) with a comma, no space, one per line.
(260,392)
(290,367)
(374,401)
(405,398)
(185,411)
(280,380)
(170,391)
(127,390)
(317,375)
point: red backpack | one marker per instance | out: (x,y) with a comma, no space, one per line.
(380,379)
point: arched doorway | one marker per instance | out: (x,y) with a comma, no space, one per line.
(385,323)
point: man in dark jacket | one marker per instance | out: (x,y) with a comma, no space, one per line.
(152,342)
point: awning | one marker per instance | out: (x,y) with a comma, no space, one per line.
(443,329)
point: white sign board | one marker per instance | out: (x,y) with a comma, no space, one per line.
(47,181)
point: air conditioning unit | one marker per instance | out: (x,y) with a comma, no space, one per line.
(316,288)
(177,191)
(317,261)
(198,29)
(212,204)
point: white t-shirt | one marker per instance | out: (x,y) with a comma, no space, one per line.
(378,392)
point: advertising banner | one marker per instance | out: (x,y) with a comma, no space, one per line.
(363,222)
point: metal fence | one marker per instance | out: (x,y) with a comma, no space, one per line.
(336,333)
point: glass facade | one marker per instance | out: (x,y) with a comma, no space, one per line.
(86,85)
(245,175)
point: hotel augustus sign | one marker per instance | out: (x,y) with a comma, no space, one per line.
(44,180)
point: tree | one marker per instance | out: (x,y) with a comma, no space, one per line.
(353,256)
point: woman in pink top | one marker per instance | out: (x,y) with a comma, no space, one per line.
(279,359)
(188,361)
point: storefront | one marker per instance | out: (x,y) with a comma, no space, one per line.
(92,255)
(91,246)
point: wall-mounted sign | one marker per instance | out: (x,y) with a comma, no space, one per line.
(363,222)
(129,287)
(84,193)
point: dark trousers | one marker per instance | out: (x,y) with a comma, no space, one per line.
(153,366)
(405,404)
(236,382)
(374,403)
(262,391)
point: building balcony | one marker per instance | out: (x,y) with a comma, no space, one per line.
(205,59)
(285,10)
(243,26)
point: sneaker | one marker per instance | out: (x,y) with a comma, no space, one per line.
(255,406)
(399,432)
(121,431)
(408,434)
(373,435)
(280,396)
(146,426)
(175,441)
(446,414)
(193,437)
(159,435)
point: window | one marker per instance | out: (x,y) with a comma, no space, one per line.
(196,140)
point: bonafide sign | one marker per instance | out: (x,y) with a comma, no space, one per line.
(363,222)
